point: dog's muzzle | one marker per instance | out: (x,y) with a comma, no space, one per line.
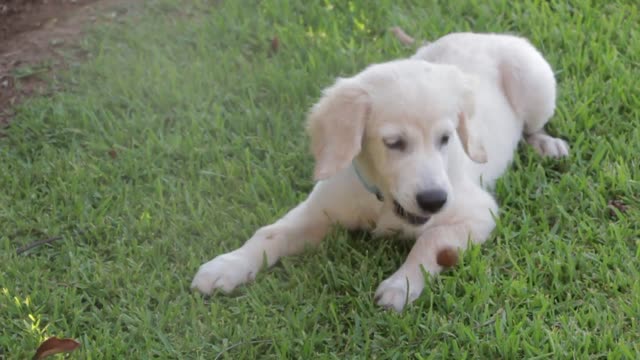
(412,219)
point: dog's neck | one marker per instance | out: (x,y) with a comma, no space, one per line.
(372,188)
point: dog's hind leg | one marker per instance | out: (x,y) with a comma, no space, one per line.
(547,145)
(530,86)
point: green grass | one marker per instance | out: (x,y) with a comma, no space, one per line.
(180,136)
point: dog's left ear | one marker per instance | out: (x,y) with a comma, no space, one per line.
(336,126)
(470,140)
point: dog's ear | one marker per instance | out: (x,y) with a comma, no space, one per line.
(336,126)
(470,140)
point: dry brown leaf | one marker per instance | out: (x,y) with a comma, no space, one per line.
(616,204)
(402,36)
(54,345)
(275,44)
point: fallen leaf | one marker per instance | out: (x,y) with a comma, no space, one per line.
(616,204)
(402,36)
(7,82)
(275,44)
(54,345)
(56,42)
(50,23)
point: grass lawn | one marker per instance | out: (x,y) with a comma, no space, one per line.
(180,135)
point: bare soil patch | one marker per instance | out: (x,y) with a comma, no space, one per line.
(33,35)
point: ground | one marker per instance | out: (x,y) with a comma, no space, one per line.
(169,136)
(35,36)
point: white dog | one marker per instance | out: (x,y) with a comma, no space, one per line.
(410,146)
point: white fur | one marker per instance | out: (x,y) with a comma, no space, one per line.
(482,90)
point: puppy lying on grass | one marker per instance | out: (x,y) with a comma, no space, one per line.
(412,146)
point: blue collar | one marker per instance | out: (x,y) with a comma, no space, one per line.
(370,187)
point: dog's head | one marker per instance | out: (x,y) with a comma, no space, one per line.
(399,121)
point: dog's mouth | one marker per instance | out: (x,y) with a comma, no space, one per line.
(412,219)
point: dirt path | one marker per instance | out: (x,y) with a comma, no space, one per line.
(33,36)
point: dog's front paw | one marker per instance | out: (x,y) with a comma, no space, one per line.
(547,145)
(398,291)
(225,273)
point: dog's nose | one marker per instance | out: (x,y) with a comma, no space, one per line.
(431,200)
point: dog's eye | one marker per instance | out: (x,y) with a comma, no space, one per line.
(444,140)
(396,144)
